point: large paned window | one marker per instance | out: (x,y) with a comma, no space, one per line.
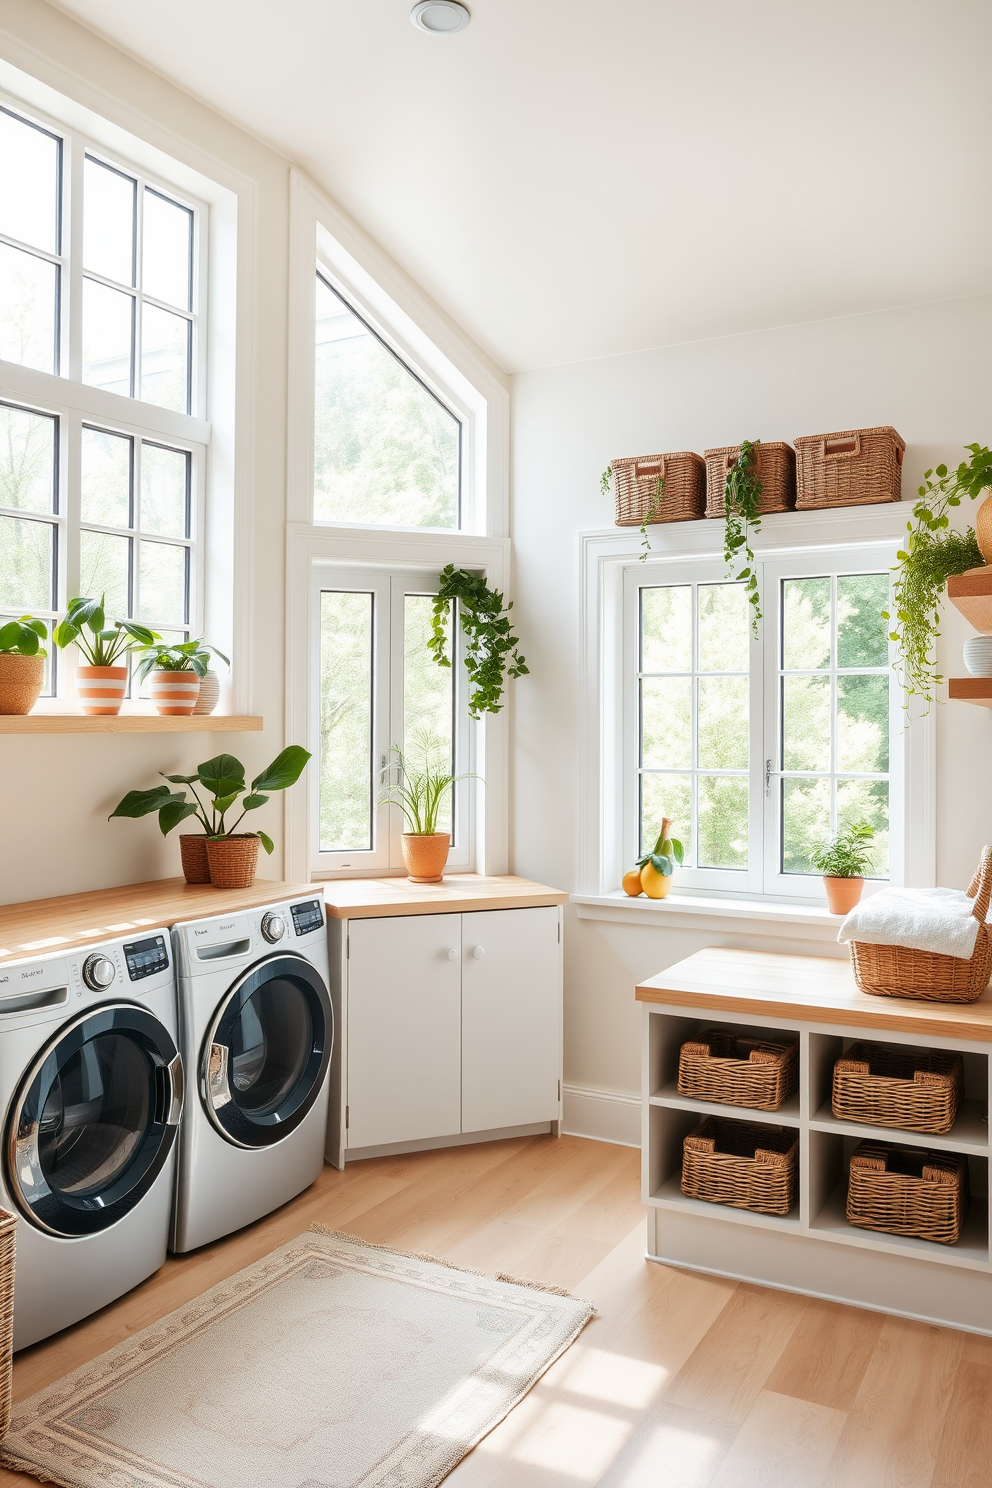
(380,689)
(759,747)
(102,441)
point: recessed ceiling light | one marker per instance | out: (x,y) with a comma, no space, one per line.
(440,17)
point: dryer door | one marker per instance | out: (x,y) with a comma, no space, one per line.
(267,1051)
(94,1120)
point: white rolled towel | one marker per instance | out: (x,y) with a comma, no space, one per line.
(940,920)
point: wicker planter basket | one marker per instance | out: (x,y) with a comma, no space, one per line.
(776,471)
(741,1164)
(883,1085)
(907,1191)
(193,853)
(8,1225)
(683,496)
(232,860)
(895,971)
(857,467)
(719,1066)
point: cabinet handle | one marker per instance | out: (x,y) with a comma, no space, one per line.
(479,952)
(452,954)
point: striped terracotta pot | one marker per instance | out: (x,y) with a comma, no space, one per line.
(174,693)
(100,690)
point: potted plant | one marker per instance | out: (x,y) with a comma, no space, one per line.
(844,860)
(22,663)
(220,855)
(175,673)
(101,683)
(653,874)
(419,791)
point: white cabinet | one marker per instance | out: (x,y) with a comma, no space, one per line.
(452,1024)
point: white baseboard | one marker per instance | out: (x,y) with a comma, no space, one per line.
(603,1115)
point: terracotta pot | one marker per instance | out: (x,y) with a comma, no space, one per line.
(425,854)
(100,690)
(842,893)
(193,850)
(21,681)
(233,860)
(209,693)
(174,694)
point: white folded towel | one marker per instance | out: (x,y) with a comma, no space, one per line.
(940,920)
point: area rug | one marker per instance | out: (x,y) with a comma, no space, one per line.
(329,1364)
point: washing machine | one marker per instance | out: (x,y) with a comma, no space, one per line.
(256,1035)
(92,1089)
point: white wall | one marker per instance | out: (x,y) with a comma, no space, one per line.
(924,370)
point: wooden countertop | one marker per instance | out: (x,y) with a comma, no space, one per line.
(75,920)
(807,989)
(372,898)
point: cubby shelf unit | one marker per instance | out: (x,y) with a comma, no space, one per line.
(814,1250)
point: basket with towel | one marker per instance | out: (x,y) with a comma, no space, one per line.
(932,944)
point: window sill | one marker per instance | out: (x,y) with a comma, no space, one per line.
(126,723)
(698,912)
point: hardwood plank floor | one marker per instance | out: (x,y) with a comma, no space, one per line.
(681,1379)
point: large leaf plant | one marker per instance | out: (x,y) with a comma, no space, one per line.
(103,640)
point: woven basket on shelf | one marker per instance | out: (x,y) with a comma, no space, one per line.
(776,470)
(856,467)
(896,971)
(683,495)
(907,1191)
(8,1225)
(719,1066)
(885,1085)
(741,1164)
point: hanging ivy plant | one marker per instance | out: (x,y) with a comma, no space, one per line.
(742,497)
(653,507)
(491,653)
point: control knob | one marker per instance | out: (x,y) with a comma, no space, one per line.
(273,927)
(98,972)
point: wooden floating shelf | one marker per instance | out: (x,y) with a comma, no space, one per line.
(126,723)
(971,592)
(971,690)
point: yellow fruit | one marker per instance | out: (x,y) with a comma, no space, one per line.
(632,883)
(654,884)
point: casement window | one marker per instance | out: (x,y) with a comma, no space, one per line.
(378,688)
(759,746)
(102,387)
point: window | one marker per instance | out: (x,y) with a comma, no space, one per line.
(380,688)
(102,446)
(386,449)
(758,748)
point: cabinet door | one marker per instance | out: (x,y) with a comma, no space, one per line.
(511,1017)
(404,1029)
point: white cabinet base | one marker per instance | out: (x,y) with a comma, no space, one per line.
(457,1139)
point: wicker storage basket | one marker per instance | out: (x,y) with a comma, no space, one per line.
(683,496)
(719,1066)
(906,1191)
(883,1085)
(776,471)
(741,1164)
(895,971)
(233,860)
(8,1225)
(857,467)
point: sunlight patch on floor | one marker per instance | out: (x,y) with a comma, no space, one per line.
(616,1379)
(574,1440)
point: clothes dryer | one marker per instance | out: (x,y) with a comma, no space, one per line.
(91,1084)
(257,1034)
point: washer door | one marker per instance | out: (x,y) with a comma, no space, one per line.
(267,1051)
(94,1120)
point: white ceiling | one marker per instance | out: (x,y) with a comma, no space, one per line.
(579,178)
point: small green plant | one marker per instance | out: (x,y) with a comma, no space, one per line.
(419,788)
(491,653)
(604,481)
(102,639)
(653,508)
(223,779)
(187,656)
(742,497)
(848,854)
(933,553)
(23,637)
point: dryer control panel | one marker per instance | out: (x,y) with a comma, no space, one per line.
(145,957)
(307,917)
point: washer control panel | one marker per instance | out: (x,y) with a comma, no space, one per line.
(307,917)
(144,957)
(273,927)
(98,972)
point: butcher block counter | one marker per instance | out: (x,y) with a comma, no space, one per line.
(372,898)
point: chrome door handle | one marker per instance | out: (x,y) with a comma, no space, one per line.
(177,1083)
(218,1090)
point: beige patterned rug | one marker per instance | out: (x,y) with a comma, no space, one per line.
(329,1364)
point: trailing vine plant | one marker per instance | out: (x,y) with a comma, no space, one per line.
(653,507)
(491,653)
(933,554)
(742,497)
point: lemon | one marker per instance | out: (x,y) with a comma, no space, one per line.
(656,885)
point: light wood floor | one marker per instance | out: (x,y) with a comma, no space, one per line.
(681,1381)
